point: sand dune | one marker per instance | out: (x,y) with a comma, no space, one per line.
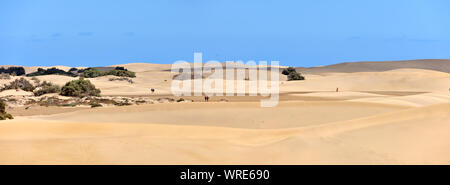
(236,115)
(413,80)
(384,113)
(351,67)
(381,140)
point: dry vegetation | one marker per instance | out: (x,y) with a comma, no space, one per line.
(5,76)
(121,79)
(3,114)
(46,88)
(20,83)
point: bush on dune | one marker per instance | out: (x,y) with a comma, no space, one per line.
(79,88)
(122,73)
(118,71)
(91,73)
(122,79)
(16,71)
(288,70)
(295,76)
(47,88)
(51,71)
(3,114)
(21,83)
(292,74)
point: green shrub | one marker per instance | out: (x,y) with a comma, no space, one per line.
(91,73)
(292,74)
(118,71)
(80,88)
(51,71)
(21,83)
(295,76)
(122,73)
(3,114)
(288,71)
(47,88)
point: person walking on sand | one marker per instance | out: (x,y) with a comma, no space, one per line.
(337,89)
(206,98)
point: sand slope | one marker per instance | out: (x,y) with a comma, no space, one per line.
(412,80)
(351,67)
(413,136)
(230,114)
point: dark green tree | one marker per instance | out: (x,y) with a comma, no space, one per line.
(80,88)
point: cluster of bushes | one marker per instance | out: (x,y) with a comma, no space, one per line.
(20,83)
(79,88)
(118,71)
(17,71)
(3,114)
(292,74)
(47,88)
(122,73)
(91,73)
(86,73)
(38,90)
(51,71)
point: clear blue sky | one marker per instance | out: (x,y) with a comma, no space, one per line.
(295,32)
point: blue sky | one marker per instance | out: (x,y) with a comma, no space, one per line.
(295,32)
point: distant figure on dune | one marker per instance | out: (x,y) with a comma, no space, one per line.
(206,98)
(153,90)
(337,89)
